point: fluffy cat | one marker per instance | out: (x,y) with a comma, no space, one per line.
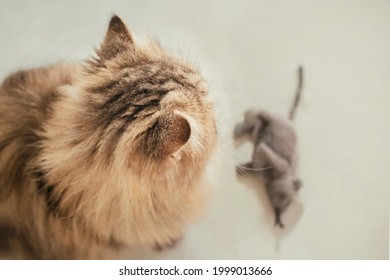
(104,155)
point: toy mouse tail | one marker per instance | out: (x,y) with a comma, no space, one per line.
(298,94)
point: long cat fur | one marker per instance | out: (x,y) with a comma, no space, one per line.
(103,155)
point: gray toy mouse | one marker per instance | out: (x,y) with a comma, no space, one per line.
(274,154)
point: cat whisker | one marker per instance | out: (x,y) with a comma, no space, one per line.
(255,169)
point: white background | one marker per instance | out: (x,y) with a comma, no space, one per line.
(249,52)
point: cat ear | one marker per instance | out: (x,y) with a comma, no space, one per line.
(117,39)
(167,136)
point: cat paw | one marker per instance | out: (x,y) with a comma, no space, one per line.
(168,245)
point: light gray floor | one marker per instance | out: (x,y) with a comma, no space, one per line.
(249,51)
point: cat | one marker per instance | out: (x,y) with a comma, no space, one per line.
(103,155)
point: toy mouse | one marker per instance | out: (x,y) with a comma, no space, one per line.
(274,154)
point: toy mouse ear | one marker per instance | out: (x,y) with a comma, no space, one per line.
(297,184)
(117,39)
(278,221)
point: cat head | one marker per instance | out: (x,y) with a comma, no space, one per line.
(131,132)
(144,107)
